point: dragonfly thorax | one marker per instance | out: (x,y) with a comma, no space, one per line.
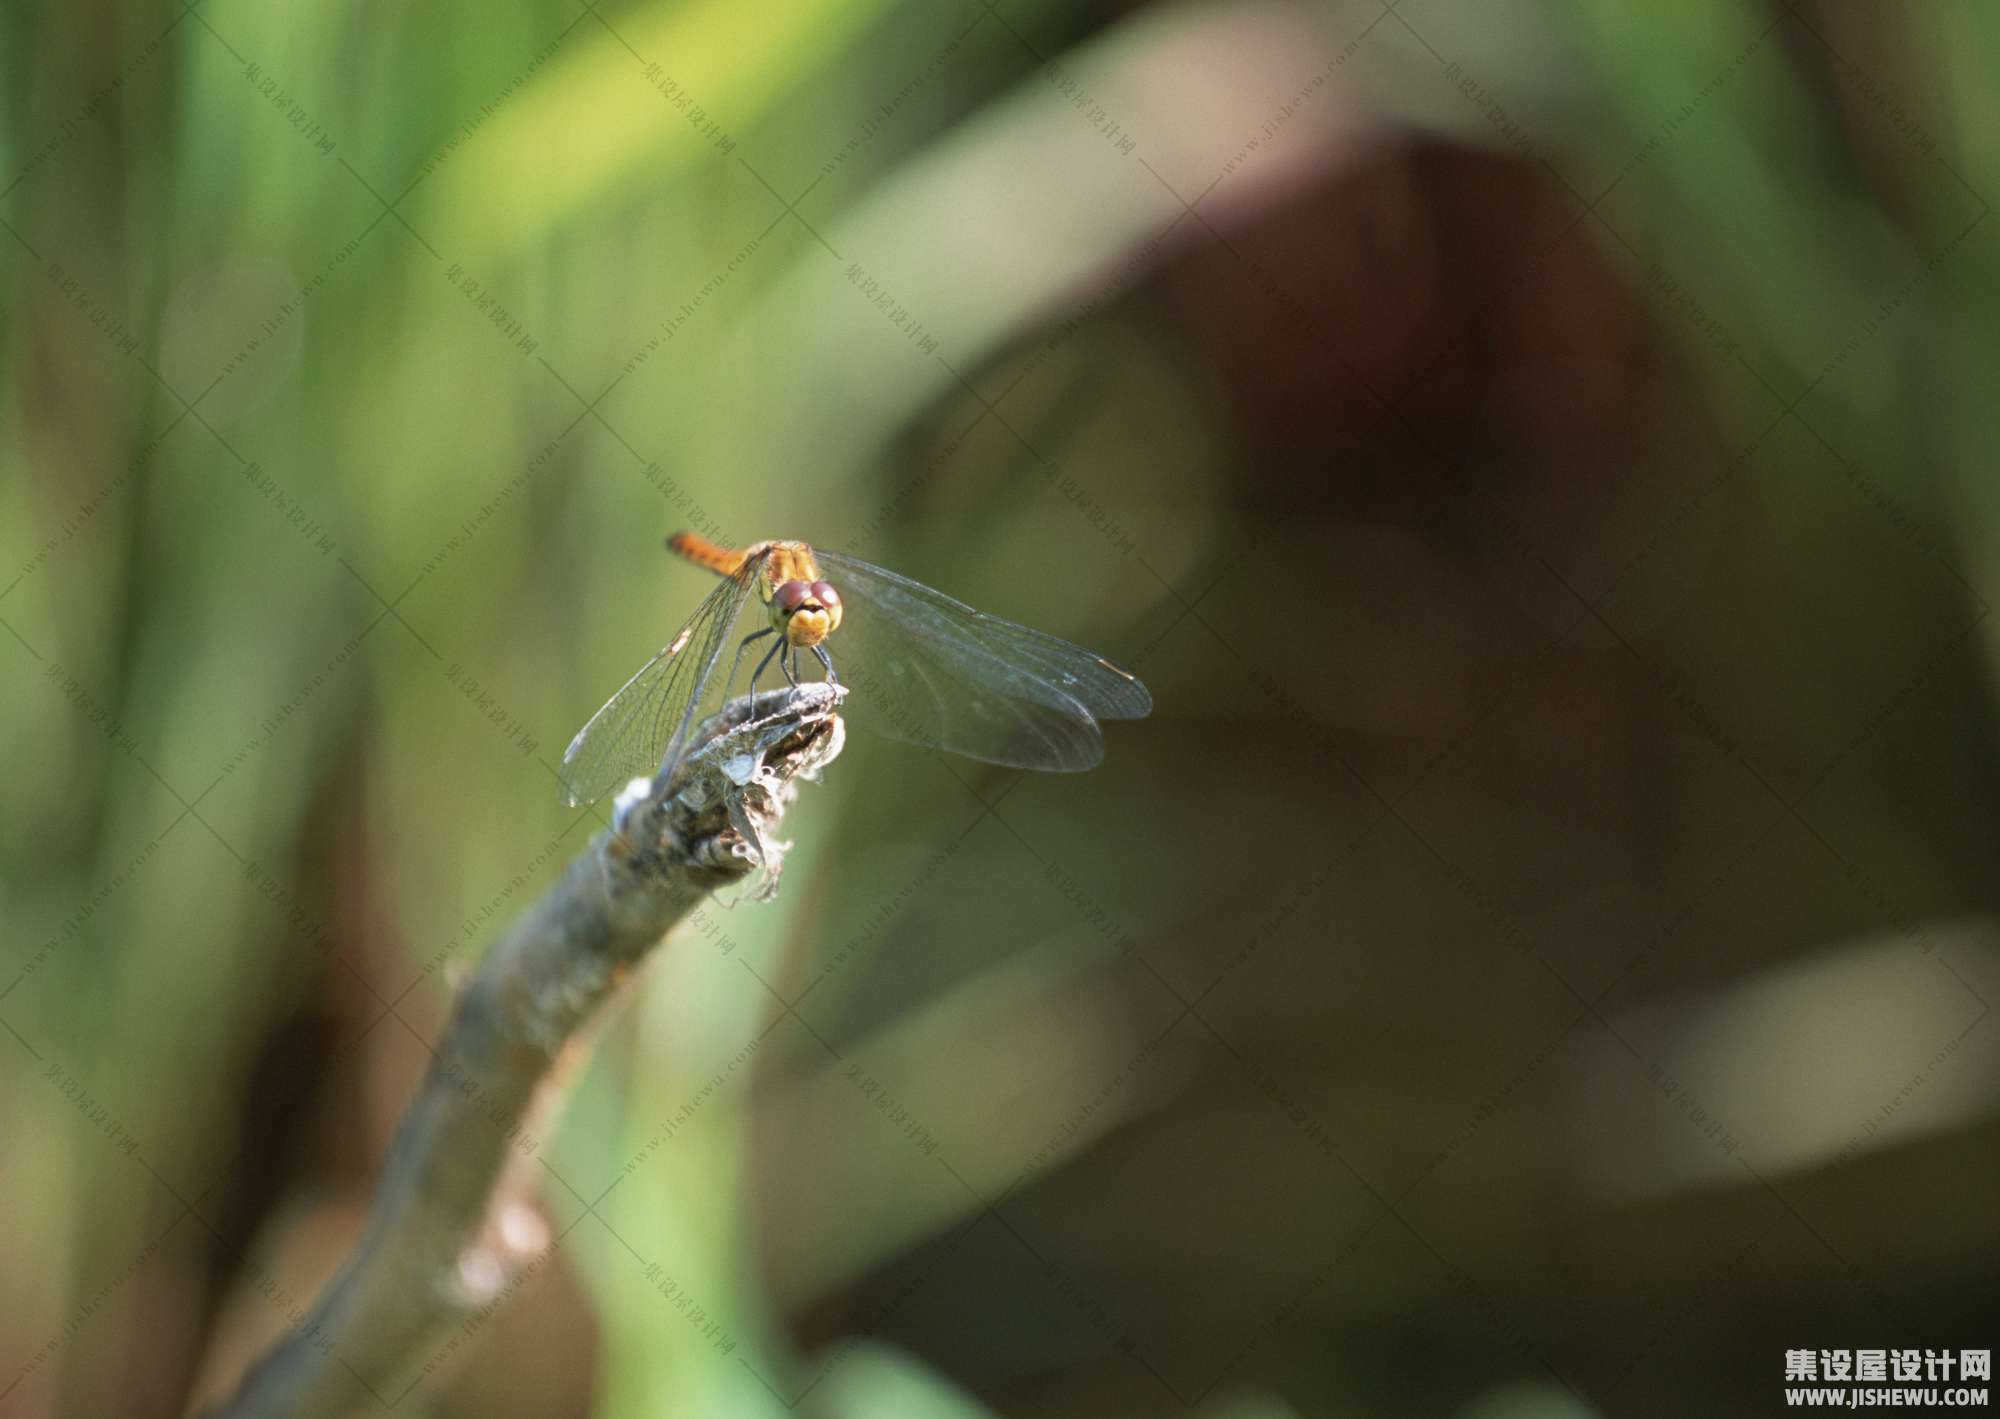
(805,613)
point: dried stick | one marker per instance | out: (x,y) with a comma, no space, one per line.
(451,1226)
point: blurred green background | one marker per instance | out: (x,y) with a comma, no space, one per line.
(1535,960)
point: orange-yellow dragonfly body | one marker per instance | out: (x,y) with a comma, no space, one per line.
(931,670)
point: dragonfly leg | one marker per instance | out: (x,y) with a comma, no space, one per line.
(774,650)
(753,636)
(827,661)
(790,665)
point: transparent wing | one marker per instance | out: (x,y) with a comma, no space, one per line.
(642,726)
(931,670)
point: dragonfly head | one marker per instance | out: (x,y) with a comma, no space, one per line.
(807,612)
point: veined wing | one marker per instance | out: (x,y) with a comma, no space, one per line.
(647,720)
(931,670)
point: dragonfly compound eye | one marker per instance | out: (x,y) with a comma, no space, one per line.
(830,599)
(790,596)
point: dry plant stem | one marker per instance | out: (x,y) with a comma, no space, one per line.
(440,1242)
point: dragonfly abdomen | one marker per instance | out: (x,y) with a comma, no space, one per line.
(723,561)
(788,561)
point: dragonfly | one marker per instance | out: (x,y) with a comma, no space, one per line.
(924,668)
